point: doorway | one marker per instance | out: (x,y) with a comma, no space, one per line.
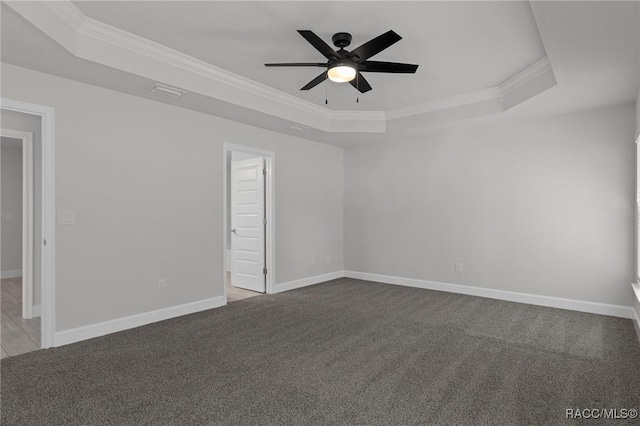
(248,222)
(33,127)
(21,322)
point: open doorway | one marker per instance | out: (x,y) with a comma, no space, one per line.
(20,301)
(248,222)
(28,294)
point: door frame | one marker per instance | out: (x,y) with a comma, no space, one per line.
(47,260)
(27,217)
(270,212)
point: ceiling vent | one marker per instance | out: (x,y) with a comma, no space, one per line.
(298,127)
(174,92)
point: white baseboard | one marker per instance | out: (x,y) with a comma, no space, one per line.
(636,308)
(73,335)
(11,273)
(290,285)
(531,299)
(37,311)
(636,323)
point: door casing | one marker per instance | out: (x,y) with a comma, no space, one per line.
(270,230)
(47,261)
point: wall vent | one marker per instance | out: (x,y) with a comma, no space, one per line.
(174,92)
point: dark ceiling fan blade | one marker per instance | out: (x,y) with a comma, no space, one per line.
(319,44)
(374,46)
(391,67)
(361,83)
(313,83)
(297,64)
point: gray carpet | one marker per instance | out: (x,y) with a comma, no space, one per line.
(342,352)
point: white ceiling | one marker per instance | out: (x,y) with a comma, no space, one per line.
(463,49)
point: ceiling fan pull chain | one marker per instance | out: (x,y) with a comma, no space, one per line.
(357,86)
(326,91)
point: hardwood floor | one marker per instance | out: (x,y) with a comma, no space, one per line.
(17,335)
(234,293)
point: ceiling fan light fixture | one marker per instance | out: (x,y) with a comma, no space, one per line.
(341,72)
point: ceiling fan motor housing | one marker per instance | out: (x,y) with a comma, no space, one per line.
(341,40)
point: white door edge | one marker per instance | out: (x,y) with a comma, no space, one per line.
(270,158)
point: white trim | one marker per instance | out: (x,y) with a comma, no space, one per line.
(532,299)
(73,335)
(636,322)
(80,34)
(37,310)
(525,76)
(304,282)
(27,217)
(636,290)
(48,258)
(96,41)
(636,304)
(492,93)
(270,210)
(496,94)
(11,273)
(27,227)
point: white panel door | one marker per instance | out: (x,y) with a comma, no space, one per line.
(247,224)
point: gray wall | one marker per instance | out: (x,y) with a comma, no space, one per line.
(638,97)
(31,123)
(145,182)
(11,202)
(543,207)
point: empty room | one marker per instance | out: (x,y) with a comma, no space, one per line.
(319,212)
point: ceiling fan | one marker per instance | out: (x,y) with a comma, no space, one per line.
(343,66)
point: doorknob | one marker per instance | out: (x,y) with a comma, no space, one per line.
(233,230)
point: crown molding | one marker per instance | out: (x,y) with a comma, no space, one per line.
(96,41)
(86,26)
(446,103)
(69,12)
(116,36)
(522,81)
(526,76)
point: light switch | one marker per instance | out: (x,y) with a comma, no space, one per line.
(66,217)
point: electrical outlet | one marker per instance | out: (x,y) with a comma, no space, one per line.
(458,267)
(162,284)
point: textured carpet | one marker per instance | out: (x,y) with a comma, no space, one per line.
(341,352)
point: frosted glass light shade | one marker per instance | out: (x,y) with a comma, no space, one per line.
(341,73)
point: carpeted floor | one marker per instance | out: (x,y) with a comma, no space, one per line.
(345,352)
